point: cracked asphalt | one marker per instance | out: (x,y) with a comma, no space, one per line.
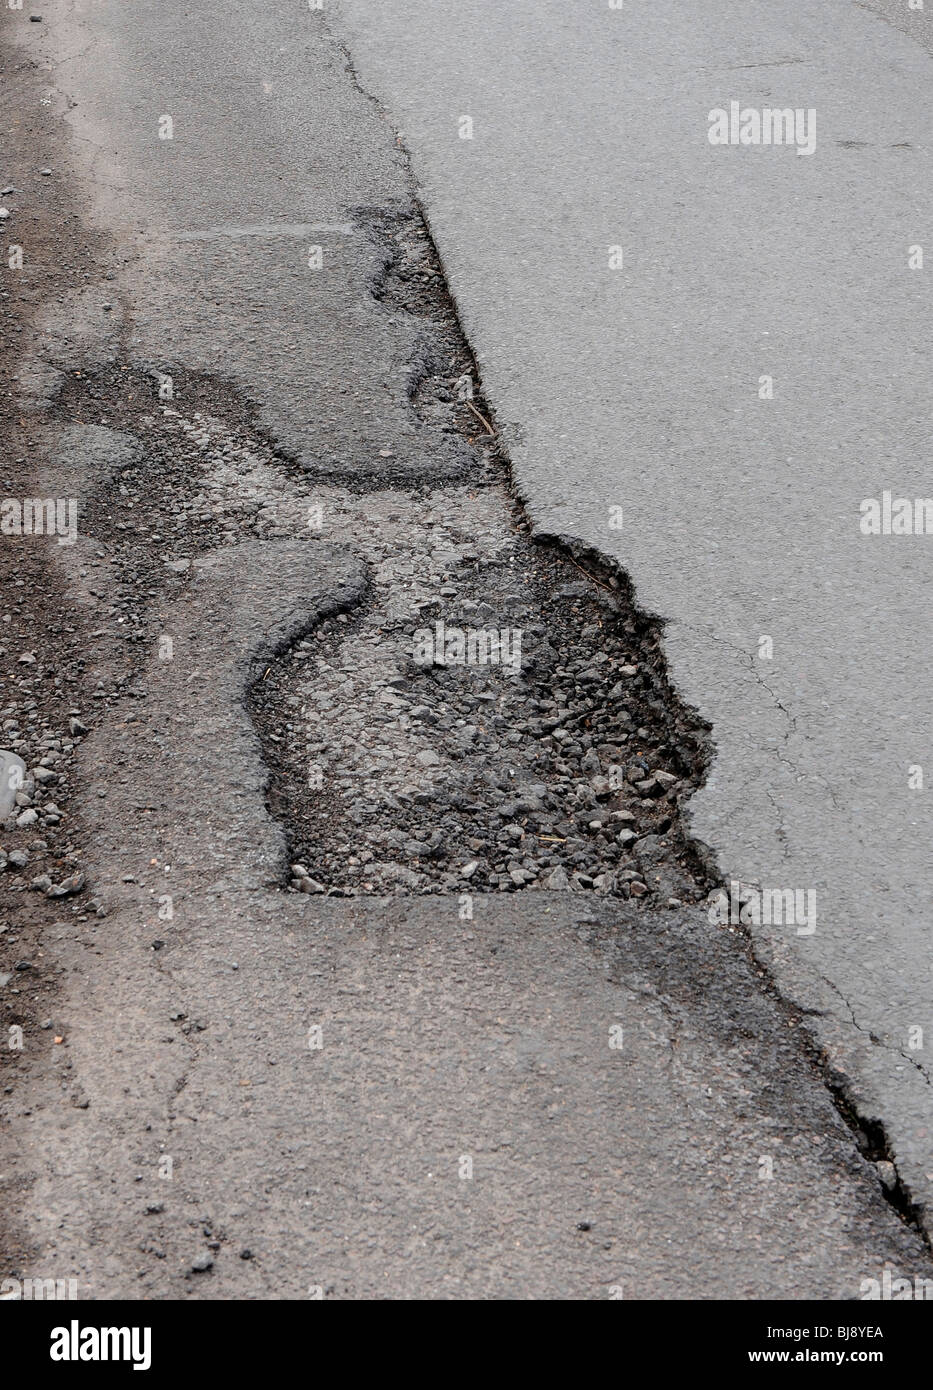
(251,1092)
(637,387)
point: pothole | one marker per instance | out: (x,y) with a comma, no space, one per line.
(497,716)
(555,766)
(549,752)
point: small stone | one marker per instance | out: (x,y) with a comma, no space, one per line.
(417,849)
(42,884)
(4,214)
(75,727)
(558,880)
(202,1264)
(309,885)
(887,1173)
(27,818)
(637,888)
(625,837)
(73,884)
(23,965)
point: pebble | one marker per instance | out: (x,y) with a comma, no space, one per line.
(309,885)
(73,884)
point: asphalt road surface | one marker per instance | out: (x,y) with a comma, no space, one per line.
(638,387)
(229,1088)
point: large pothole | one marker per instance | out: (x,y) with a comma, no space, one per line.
(493,720)
(496,716)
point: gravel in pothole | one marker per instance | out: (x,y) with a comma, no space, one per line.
(393,776)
